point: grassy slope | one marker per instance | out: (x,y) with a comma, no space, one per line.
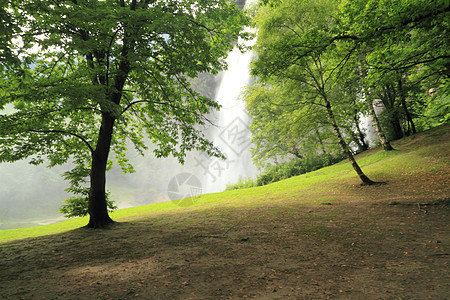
(419,156)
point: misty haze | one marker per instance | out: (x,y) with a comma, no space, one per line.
(32,195)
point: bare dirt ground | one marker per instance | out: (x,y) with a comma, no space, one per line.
(346,251)
(364,246)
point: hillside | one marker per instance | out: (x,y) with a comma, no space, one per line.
(316,236)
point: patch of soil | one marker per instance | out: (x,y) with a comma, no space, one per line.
(345,250)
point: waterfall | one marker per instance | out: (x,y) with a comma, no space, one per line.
(232,134)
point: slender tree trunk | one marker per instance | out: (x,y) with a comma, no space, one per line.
(344,145)
(376,124)
(320,140)
(360,135)
(356,140)
(296,153)
(404,106)
(362,138)
(98,211)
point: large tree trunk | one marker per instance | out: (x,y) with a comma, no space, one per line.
(98,211)
(396,125)
(388,99)
(344,145)
(376,124)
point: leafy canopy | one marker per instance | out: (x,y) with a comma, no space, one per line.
(89,65)
(344,50)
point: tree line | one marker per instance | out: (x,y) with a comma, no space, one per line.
(323,64)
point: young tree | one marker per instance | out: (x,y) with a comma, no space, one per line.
(96,75)
(292,46)
(282,127)
(378,129)
(356,87)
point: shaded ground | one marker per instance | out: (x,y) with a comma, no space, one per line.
(371,243)
(348,250)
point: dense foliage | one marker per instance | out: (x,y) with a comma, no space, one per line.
(286,170)
(322,65)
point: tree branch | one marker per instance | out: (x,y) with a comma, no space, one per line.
(66,133)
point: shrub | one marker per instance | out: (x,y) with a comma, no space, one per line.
(78,206)
(288,169)
(241,184)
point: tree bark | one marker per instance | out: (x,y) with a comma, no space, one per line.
(361,136)
(98,211)
(388,99)
(376,124)
(395,121)
(344,145)
(405,108)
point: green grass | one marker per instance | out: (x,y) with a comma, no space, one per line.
(426,152)
(11,234)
